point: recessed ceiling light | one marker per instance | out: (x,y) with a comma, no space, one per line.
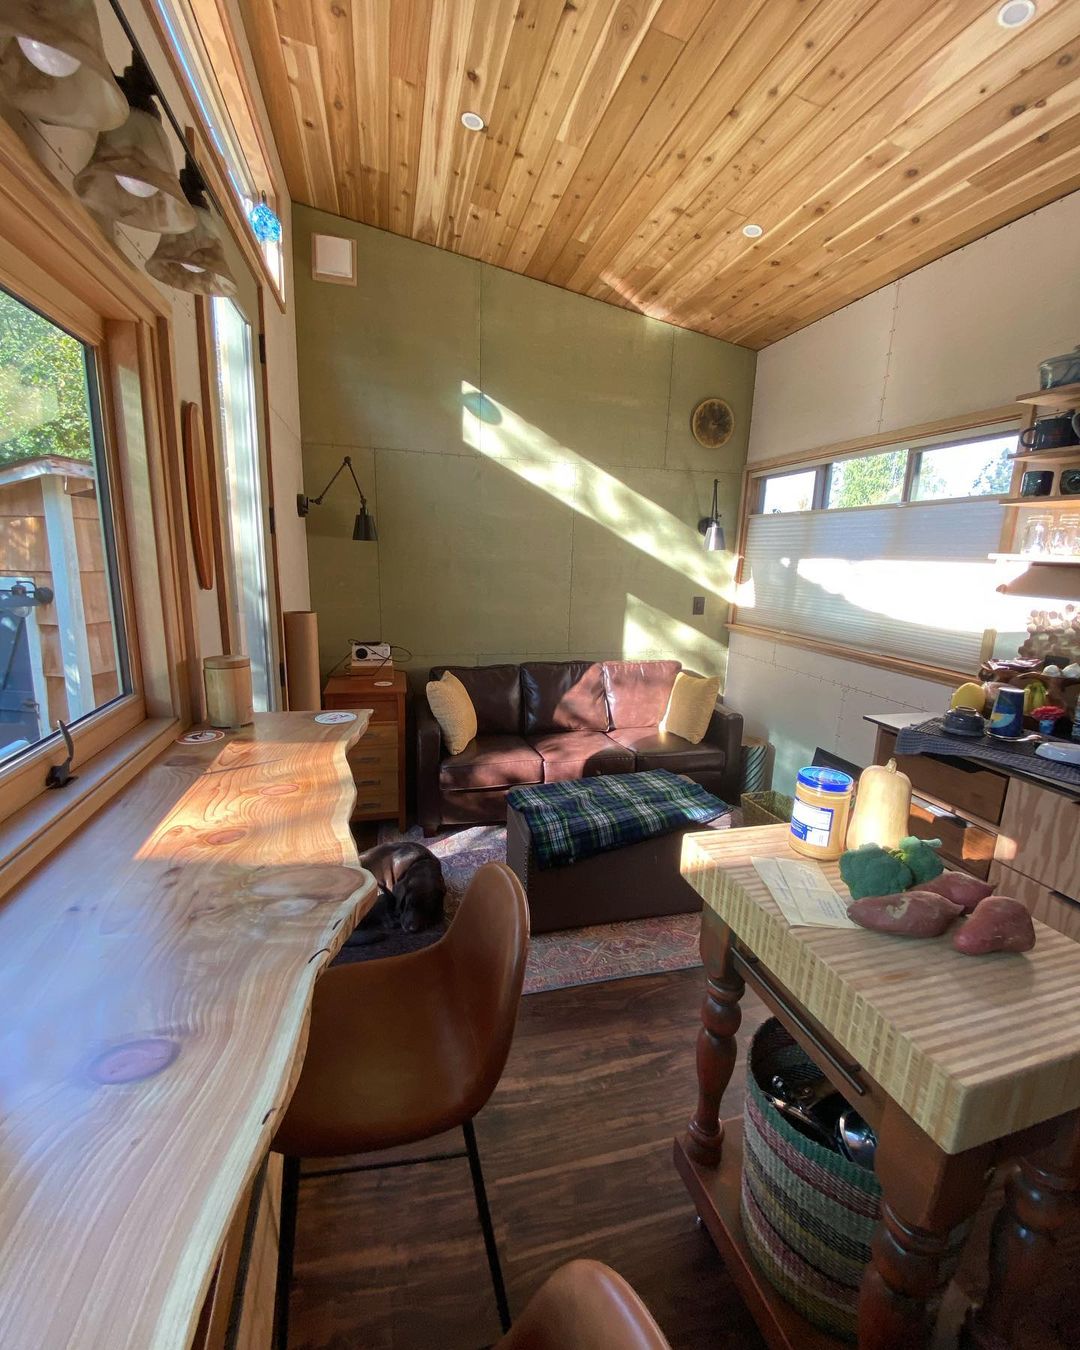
(753,231)
(472,121)
(1015,13)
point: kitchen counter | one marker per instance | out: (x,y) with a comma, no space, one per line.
(157,977)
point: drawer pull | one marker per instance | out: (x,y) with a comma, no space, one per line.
(1065,899)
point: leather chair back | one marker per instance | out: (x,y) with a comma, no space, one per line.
(587,1306)
(496,695)
(487,945)
(563,696)
(638,691)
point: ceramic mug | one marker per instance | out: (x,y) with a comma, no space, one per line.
(1052,433)
(1037,483)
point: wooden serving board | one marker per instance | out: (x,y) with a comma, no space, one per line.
(972,1048)
(156,981)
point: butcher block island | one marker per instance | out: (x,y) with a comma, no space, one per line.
(957,1062)
(157,979)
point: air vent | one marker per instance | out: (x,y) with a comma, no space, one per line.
(333,259)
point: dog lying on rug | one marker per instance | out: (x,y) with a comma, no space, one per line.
(411,891)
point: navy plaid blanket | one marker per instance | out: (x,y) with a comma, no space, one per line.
(573,820)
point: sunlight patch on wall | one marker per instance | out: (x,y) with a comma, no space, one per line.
(651,635)
(497,432)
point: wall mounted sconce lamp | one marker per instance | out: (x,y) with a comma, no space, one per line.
(53,65)
(710,525)
(364,528)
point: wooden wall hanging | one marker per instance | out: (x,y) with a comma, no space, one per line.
(197,478)
(712,423)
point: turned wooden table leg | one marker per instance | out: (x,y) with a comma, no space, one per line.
(927,1195)
(1042,1196)
(716,1047)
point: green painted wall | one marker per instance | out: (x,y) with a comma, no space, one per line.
(526,453)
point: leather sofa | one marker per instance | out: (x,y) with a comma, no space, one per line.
(548,721)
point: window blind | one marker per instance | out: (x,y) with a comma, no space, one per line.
(911,581)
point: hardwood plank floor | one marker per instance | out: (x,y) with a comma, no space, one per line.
(576,1144)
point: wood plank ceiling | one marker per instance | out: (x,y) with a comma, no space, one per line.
(629,141)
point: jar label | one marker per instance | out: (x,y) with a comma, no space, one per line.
(813,824)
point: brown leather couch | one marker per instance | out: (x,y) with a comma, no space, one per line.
(547,721)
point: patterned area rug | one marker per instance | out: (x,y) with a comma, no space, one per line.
(613,951)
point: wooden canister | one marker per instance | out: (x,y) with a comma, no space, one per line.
(227,680)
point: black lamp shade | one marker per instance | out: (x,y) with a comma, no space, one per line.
(364,529)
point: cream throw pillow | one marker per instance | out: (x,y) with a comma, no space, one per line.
(452,707)
(693,698)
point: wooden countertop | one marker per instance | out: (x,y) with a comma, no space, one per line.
(972,1048)
(156,978)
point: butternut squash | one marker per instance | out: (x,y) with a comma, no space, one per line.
(882,807)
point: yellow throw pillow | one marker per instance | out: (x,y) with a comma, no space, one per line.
(693,698)
(452,707)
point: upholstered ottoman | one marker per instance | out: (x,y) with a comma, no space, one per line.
(637,881)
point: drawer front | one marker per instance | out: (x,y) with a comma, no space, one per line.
(367,757)
(971,791)
(1051,907)
(964,845)
(376,797)
(1040,836)
(382,709)
(379,733)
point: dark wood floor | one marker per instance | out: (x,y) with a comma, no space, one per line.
(577,1151)
(576,1145)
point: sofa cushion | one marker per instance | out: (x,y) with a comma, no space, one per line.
(563,696)
(580,754)
(638,691)
(654,749)
(690,707)
(452,708)
(496,696)
(492,762)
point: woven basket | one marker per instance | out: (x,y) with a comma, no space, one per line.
(766,808)
(808,1214)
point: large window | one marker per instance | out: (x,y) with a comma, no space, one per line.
(244,491)
(61,652)
(884,552)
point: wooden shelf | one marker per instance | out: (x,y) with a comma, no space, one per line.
(715,1193)
(1033,559)
(1062,455)
(1073,499)
(1064,396)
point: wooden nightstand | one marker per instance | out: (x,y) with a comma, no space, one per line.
(378,757)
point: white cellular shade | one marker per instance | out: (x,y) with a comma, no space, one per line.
(911,581)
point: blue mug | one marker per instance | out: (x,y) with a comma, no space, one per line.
(1007,719)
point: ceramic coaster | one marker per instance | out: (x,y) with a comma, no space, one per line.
(201,737)
(384,684)
(335,717)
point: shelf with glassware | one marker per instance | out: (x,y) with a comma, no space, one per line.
(1039,527)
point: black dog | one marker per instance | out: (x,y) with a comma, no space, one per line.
(411,891)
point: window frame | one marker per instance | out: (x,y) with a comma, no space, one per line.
(203,142)
(950,429)
(57,260)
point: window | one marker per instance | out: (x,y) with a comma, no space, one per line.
(894,559)
(243,490)
(867,480)
(203,47)
(789,492)
(62,656)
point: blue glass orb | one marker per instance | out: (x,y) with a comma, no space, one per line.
(265,224)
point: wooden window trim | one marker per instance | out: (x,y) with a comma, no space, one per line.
(56,257)
(753,477)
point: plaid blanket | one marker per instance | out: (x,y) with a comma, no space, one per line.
(573,820)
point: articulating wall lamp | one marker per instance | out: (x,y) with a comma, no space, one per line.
(710,525)
(364,527)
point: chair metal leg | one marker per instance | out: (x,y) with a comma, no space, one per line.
(290,1189)
(483,1213)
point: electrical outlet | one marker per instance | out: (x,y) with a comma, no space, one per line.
(698,606)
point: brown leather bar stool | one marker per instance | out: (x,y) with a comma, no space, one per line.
(407,1047)
(585,1306)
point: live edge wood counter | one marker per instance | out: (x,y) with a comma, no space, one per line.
(156,977)
(957,1062)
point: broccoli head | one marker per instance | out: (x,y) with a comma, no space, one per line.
(873,870)
(919,856)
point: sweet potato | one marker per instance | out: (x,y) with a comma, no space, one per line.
(920,914)
(961,889)
(998,924)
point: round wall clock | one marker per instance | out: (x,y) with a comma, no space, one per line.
(712,423)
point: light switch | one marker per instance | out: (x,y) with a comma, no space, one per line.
(698,605)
